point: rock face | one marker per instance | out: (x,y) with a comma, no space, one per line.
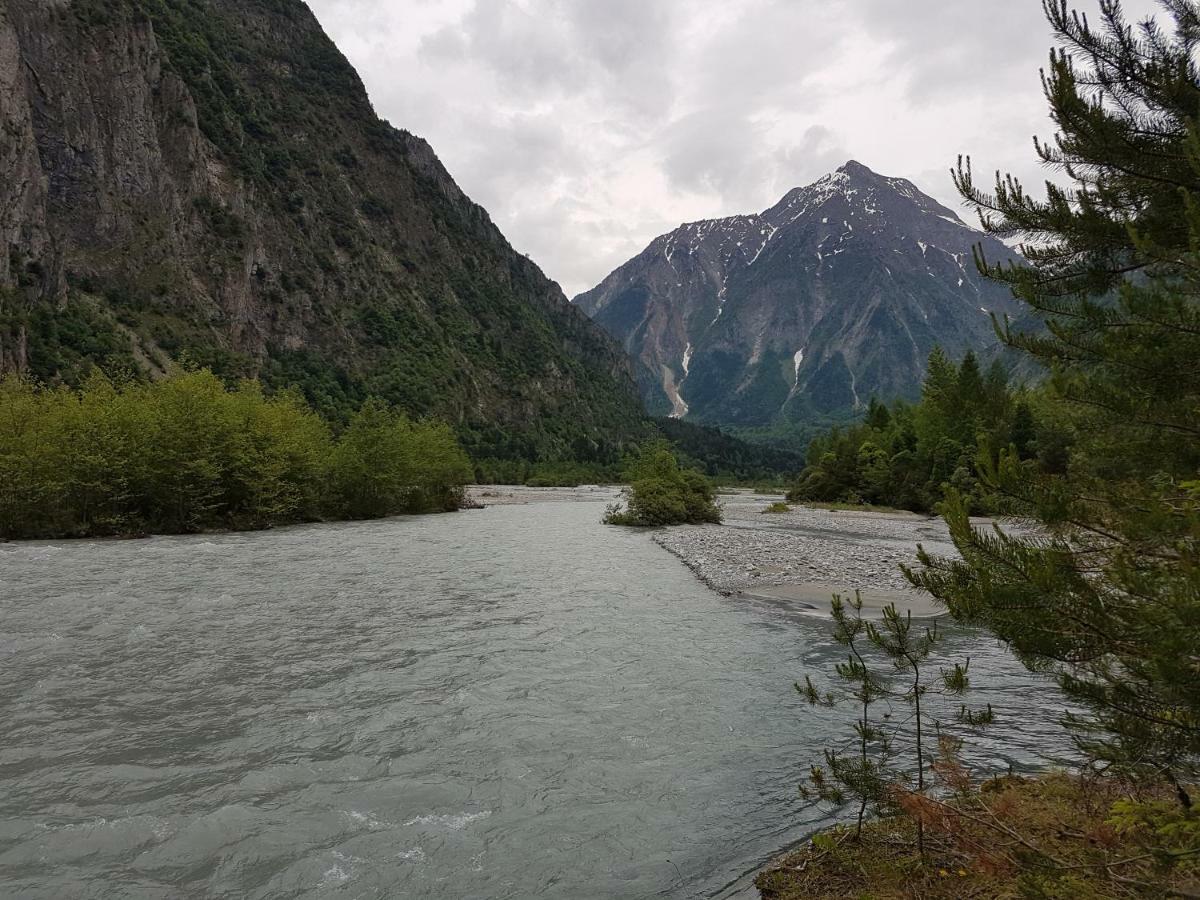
(805,311)
(207,180)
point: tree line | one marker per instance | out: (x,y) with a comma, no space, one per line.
(908,455)
(187,453)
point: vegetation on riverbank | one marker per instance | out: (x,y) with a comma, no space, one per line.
(719,456)
(1058,836)
(907,455)
(662,492)
(187,454)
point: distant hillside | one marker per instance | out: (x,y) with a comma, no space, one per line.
(205,181)
(800,314)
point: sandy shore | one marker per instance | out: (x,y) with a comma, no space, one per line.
(803,556)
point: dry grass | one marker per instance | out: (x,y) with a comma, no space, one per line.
(1054,838)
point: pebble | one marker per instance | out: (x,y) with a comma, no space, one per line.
(845,549)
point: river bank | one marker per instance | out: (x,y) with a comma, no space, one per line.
(797,558)
(1052,836)
(802,556)
(521,495)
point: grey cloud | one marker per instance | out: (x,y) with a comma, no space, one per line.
(946,48)
(730,156)
(818,152)
(525,52)
(586,127)
(550,47)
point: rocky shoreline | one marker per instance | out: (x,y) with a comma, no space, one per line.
(806,554)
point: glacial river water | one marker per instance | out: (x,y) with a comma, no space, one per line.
(511,702)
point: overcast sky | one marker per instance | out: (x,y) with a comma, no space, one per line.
(588,127)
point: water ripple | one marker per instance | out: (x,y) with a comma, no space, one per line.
(504,703)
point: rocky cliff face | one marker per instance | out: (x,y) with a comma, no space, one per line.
(206,180)
(803,312)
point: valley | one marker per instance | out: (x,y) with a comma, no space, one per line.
(343,555)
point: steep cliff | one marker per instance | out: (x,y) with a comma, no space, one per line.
(803,312)
(206,181)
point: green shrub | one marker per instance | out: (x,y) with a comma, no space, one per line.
(778,507)
(187,453)
(661,493)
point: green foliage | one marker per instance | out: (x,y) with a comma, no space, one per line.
(870,776)
(385,464)
(186,453)
(1172,828)
(777,507)
(725,457)
(663,493)
(1107,598)
(865,775)
(907,456)
(65,343)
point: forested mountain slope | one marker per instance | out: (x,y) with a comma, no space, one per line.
(206,181)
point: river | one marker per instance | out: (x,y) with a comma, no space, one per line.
(509,702)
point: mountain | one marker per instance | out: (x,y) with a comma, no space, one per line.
(803,312)
(206,181)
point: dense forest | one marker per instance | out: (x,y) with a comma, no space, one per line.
(907,455)
(719,456)
(187,453)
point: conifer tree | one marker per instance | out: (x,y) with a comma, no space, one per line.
(869,775)
(864,776)
(1108,598)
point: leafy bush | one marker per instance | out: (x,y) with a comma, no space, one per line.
(186,453)
(384,464)
(662,493)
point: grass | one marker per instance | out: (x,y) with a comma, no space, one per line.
(777,507)
(1054,837)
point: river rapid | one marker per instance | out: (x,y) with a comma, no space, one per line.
(502,703)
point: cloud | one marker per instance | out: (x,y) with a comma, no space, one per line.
(589,128)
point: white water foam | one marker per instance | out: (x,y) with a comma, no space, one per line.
(453,822)
(361,818)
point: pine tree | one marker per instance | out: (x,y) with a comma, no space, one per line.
(1108,600)
(865,775)
(878,415)
(869,774)
(1024,429)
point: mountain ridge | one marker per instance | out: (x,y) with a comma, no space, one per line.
(206,182)
(759,320)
